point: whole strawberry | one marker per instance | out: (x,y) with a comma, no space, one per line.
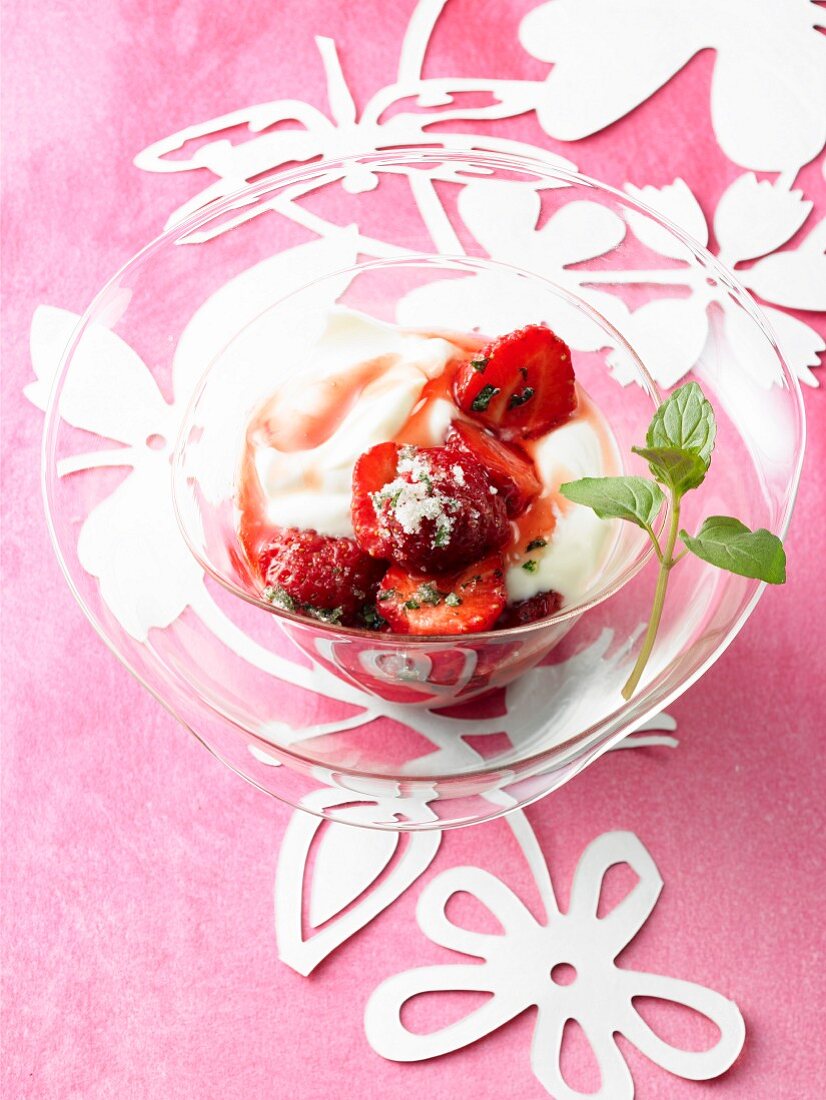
(330,579)
(429,509)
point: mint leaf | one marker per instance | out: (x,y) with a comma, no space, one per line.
(729,544)
(677,469)
(633,498)
(685,422)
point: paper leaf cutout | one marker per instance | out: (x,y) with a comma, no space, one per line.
(516,971)
(768,106)
(338,879)
(353,897)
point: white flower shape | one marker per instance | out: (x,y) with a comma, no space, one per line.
(752,219)
(521,968)
(768,93)
(503,218)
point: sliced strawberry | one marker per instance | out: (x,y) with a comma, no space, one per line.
(462,603)
(521,384)
(326,578)
(372,471)
(429,509)
(511,471)
(537,607)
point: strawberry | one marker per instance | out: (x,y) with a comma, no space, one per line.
(326,578)
(528,611)
(460,603)
(428,509)
(510,470)
(521,385)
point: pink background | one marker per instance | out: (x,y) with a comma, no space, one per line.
(140,957)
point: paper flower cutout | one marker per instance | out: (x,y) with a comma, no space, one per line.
(110,392)
(752,219)
(503,218)
(517,971)
(768,93)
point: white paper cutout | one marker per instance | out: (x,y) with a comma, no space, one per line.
(503,218)
(517,972)
(361,857)
(345,901)
(768,94)
(346,134)
(751,218)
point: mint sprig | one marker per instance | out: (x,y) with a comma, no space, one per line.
(679,445)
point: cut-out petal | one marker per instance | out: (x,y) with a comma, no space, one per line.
(669,335)
(125,537)
(546,1050)
(691,1064)
(490,892)
(580,231)
(676,202)
(755,217)
(108,389)
(800,344)
(388,1036)
(795,277)
(619,926)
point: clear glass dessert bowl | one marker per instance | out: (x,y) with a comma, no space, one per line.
(392,731)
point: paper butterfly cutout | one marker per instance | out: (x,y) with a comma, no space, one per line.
(517,971)
(768,92)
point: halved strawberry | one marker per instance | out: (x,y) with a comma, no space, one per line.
(372,471)
(435,511)
(462,603)
(527,611)
(512,473)
(521,384)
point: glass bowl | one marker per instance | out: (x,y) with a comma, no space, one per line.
(387,731)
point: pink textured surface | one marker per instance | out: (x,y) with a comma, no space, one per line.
(137,918)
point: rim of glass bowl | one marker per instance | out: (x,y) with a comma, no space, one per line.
(413,641)
(644,704)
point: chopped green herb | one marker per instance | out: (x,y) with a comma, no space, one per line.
(484,398)
(412,605)
(452,600)
(428,593)
(442,535)
(530,566)
(372,619)
(279,597)
(387,594)
(330,615)
(479,364)
(524,372)
(536,544)
(517,399)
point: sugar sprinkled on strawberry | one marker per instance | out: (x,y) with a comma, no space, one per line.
(427,509)
(330,579)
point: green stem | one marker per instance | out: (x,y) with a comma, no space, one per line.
(666,561)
